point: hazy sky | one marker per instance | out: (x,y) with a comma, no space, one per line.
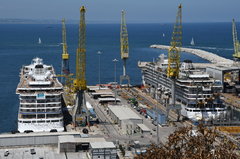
(156,11)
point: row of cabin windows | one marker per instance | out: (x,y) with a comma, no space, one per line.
(40,110)
(42,121)
(40,101)
(30,116)
(42,105)
(34,97)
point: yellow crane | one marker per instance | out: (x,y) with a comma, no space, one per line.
(236,45)
(124,47)
(174,59)
(80,80)
(65,56)
(175,48)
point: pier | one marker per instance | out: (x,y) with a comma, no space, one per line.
(213,58)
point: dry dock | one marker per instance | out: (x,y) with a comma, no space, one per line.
(213,58)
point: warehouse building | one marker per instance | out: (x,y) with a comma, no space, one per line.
(70,143)
(143,129)
(103,150)
(125,118)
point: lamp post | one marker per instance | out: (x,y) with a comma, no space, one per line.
(115,70)
(115,78)
(99,67)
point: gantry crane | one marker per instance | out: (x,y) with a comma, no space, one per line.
(236,54)
(174,57)
(65,56)
(124,48)
(80,79)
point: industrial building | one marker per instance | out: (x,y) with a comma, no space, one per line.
(125,118)
(23,139)
(103,150)
(143,129)
(70,143)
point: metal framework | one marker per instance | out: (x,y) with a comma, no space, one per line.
(124,47)
(124,38)
(80,81)
(80,84)
(175,48)
(236,45)
(65,56)
(174,60)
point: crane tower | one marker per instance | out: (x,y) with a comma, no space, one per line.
(65,56)
(175,48)
(174,58)
(80,80)
(236,54)
(124,48)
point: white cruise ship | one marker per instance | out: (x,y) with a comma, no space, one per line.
(40,94)
(196,91)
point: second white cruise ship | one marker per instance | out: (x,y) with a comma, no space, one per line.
(40,94)
(196,91)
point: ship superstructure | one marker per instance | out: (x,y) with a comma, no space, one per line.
(40,94)
(196,91)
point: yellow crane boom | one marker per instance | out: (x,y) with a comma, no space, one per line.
(80,81)
(124,48)
(124,38)
(175,48)
(65,56)
(236,45)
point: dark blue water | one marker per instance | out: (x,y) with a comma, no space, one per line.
(18,46)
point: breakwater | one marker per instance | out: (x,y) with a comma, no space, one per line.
(211,57)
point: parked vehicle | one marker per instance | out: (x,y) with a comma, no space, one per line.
(6,153)
(32,151)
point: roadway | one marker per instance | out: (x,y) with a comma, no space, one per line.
(112,132)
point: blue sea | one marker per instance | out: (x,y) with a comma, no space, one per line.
(19,45)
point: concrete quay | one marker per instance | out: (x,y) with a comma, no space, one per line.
(213,58)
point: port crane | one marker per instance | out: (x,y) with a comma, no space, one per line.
(79,82)
(66,76)
(236,54)
(174,58)
(65,56)
(124,47)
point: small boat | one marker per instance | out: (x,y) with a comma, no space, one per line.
(39,41)
(192,42)
(163,35)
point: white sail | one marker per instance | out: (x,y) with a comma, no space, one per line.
(192,42)
(39,41)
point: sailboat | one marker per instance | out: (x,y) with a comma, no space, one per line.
(39,41)
(192,42)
